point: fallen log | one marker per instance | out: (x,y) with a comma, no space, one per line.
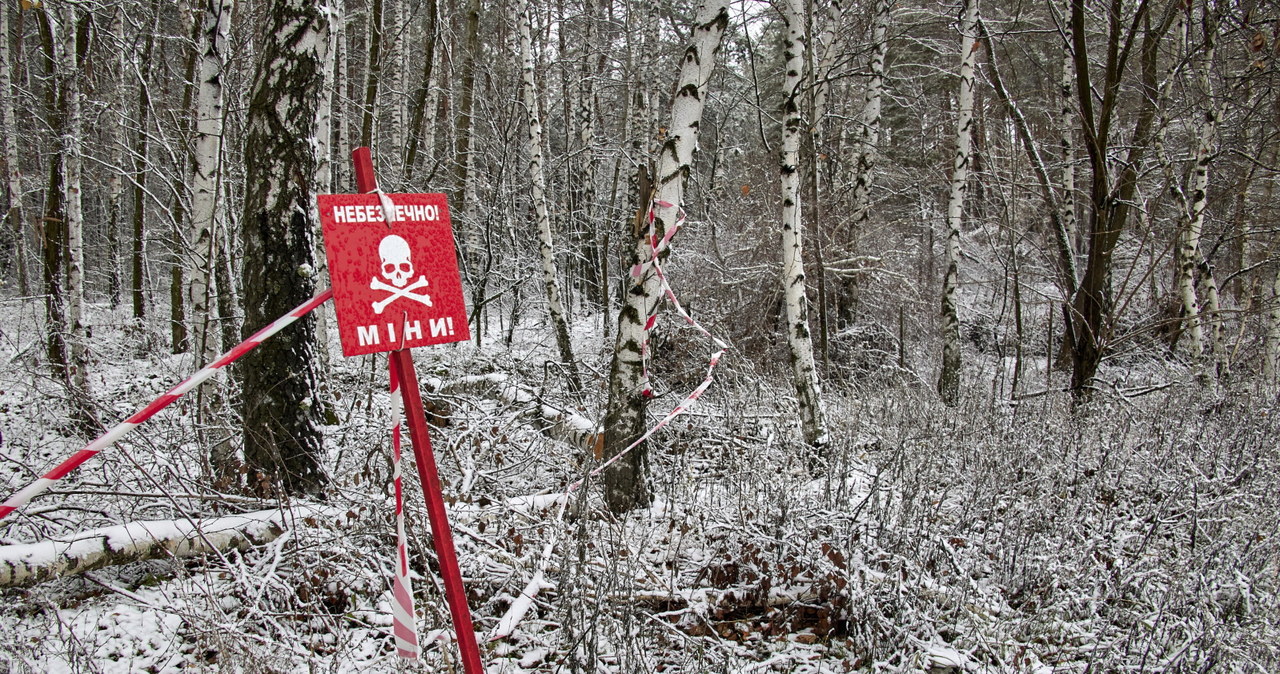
(29,564)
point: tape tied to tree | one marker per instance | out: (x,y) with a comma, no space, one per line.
(507,624)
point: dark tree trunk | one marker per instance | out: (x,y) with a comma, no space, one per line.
(283,443)
(53,239)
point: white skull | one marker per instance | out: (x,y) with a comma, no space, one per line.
(396,265)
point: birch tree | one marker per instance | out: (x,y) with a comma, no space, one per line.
(206,204)
(1191,260)
(626,485)
(13,167)
(70,68)
(538,194)
(868,153)
(282,439)
(949,376)
(799,340)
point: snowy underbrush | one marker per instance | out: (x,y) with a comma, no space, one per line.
(1133,535)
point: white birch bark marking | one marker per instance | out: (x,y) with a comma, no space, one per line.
(949,377)
(73,162)
(31,563)
(13,169)
(799,340)
(625,416)
(546,248)
(1194,257)
(1068,231)
(869,130)
(206,207)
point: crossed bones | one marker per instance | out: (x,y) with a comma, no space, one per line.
(396,293)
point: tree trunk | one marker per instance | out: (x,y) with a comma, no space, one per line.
(868,145)
(626,485)
(283,443)
(799,339)
(421,95)
(546,249)
(206,206)
(137,287)
(13,168)
(1109,201)
(464,206)
(373,74)
(949,376)
(1191,259)
(54,226)
(75,36)
(26,564)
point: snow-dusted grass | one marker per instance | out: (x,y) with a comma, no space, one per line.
(1135,535)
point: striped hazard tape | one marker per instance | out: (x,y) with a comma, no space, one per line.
(90,450)
(516,612)
(404,621)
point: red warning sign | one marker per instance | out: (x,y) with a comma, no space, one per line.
(395,279)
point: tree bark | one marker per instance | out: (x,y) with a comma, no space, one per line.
(13,167)
(283,443)
(137,284)
(538,195)
(868,144)
(373,74)
(206,204)
(1191,259)
(54,226)
(626,485)
(422,94)
(27,564)
(1110,198)
(949,375)
(799,337)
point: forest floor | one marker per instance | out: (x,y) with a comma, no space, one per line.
(1139,533)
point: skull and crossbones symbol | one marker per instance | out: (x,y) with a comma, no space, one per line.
(397,267)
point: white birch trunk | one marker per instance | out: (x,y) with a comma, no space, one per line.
(28,564)
(546,248)
(799,340)
(1190,256)
(1206,148)
(13,168)
(869,129)
(949,376)
(868,142)
(73,162)
(324,184)
(1068,230)
(625,483)
(1271,355)
(206,206)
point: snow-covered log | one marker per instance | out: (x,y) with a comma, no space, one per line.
(31,563)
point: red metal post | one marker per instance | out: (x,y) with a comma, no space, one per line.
(441,536)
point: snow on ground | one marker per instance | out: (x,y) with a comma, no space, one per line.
(990,538)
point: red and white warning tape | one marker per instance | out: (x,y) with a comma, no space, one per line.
(404,621)
(656,247)
(90,450)
(509,621)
